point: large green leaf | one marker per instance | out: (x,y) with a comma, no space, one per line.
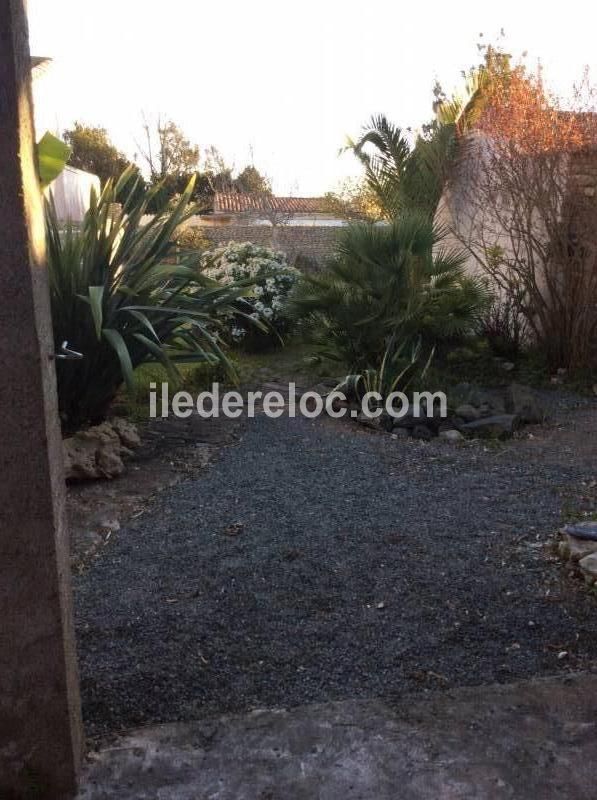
(52,157)
(117,342)
(96,294)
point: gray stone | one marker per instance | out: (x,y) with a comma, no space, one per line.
(375,423)
(573,548)
(468,412)
(422,432)
(588,565)
(109,522)
(451,436)
(400,433)
(501,426)
(491,398)
(582,530)
(98,451)
(127,432)
(525,403)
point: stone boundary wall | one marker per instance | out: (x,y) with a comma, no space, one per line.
(469,223)
(583,176)
(312,242)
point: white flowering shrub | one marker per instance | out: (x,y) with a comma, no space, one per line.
(273,276)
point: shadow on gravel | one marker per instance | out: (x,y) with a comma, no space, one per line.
(315,562)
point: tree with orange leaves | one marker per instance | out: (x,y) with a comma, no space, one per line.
(530,205)
(518,108)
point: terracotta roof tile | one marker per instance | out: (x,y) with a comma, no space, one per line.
(234,203)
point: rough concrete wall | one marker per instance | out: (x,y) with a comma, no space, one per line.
(471,226)
(40,727)
(583,175)
(312,242)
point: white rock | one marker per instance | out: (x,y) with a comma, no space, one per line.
(575,548)
(588,565)
(451,436)
(127,432)
(97,452)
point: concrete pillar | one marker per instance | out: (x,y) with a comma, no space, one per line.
(40,726)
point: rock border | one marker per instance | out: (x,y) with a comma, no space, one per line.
(98,452)
(578,545)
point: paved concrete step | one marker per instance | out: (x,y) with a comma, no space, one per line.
(536,739)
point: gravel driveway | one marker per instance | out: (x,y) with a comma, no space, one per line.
(317,561)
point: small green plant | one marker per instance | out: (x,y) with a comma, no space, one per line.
(120,298)
(505,328)
(400,365)
(191,237)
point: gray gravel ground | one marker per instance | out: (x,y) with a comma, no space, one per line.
(316,561)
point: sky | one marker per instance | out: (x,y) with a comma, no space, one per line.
(281,84)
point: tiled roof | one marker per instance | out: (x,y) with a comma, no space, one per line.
(235,203)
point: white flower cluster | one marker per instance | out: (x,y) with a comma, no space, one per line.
(273,277)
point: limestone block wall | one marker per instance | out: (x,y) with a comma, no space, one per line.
(473,228)
(312,242)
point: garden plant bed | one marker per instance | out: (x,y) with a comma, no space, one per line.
(316,561)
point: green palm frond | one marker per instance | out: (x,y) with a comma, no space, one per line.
(464,108)
(383,151)
(408,178)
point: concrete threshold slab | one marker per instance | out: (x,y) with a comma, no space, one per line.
(533,740)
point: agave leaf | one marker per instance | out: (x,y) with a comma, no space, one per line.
(96,294)
(160,355)
(117,342)
(146,323)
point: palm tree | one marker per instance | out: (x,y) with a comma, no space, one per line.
(404,177)
(386,166)
(388,281)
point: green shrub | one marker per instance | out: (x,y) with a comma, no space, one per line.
(505,329)
(387,281)
(191,237)
(120,298)
(264,320)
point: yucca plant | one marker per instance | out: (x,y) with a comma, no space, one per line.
(386,279)
(122,295)
(400,365)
